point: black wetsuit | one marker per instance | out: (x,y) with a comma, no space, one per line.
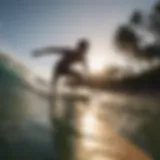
(70,57)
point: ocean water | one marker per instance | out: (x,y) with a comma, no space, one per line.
(84,130)
(25,130)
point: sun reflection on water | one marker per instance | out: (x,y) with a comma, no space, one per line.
(88,123)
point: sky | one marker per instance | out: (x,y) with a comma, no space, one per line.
(29,24)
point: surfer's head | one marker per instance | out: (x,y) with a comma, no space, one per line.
(83,45)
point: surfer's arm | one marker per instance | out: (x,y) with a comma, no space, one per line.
(49,50)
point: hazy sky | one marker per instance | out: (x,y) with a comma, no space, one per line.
(28,24)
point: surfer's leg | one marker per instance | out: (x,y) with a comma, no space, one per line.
(53,93)
(52,110)
(54,81)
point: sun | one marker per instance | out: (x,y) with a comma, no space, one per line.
(96,63)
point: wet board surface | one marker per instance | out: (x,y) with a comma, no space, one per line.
(108,145)
(82,135)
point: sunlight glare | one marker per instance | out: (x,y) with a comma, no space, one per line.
(97,63)
(88,123)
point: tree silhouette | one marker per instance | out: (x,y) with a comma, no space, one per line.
(127,36)
(130,38)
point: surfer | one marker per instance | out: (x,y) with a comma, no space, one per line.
(69,57)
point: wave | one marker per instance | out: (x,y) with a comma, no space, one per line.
(13,71)
(24,122)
